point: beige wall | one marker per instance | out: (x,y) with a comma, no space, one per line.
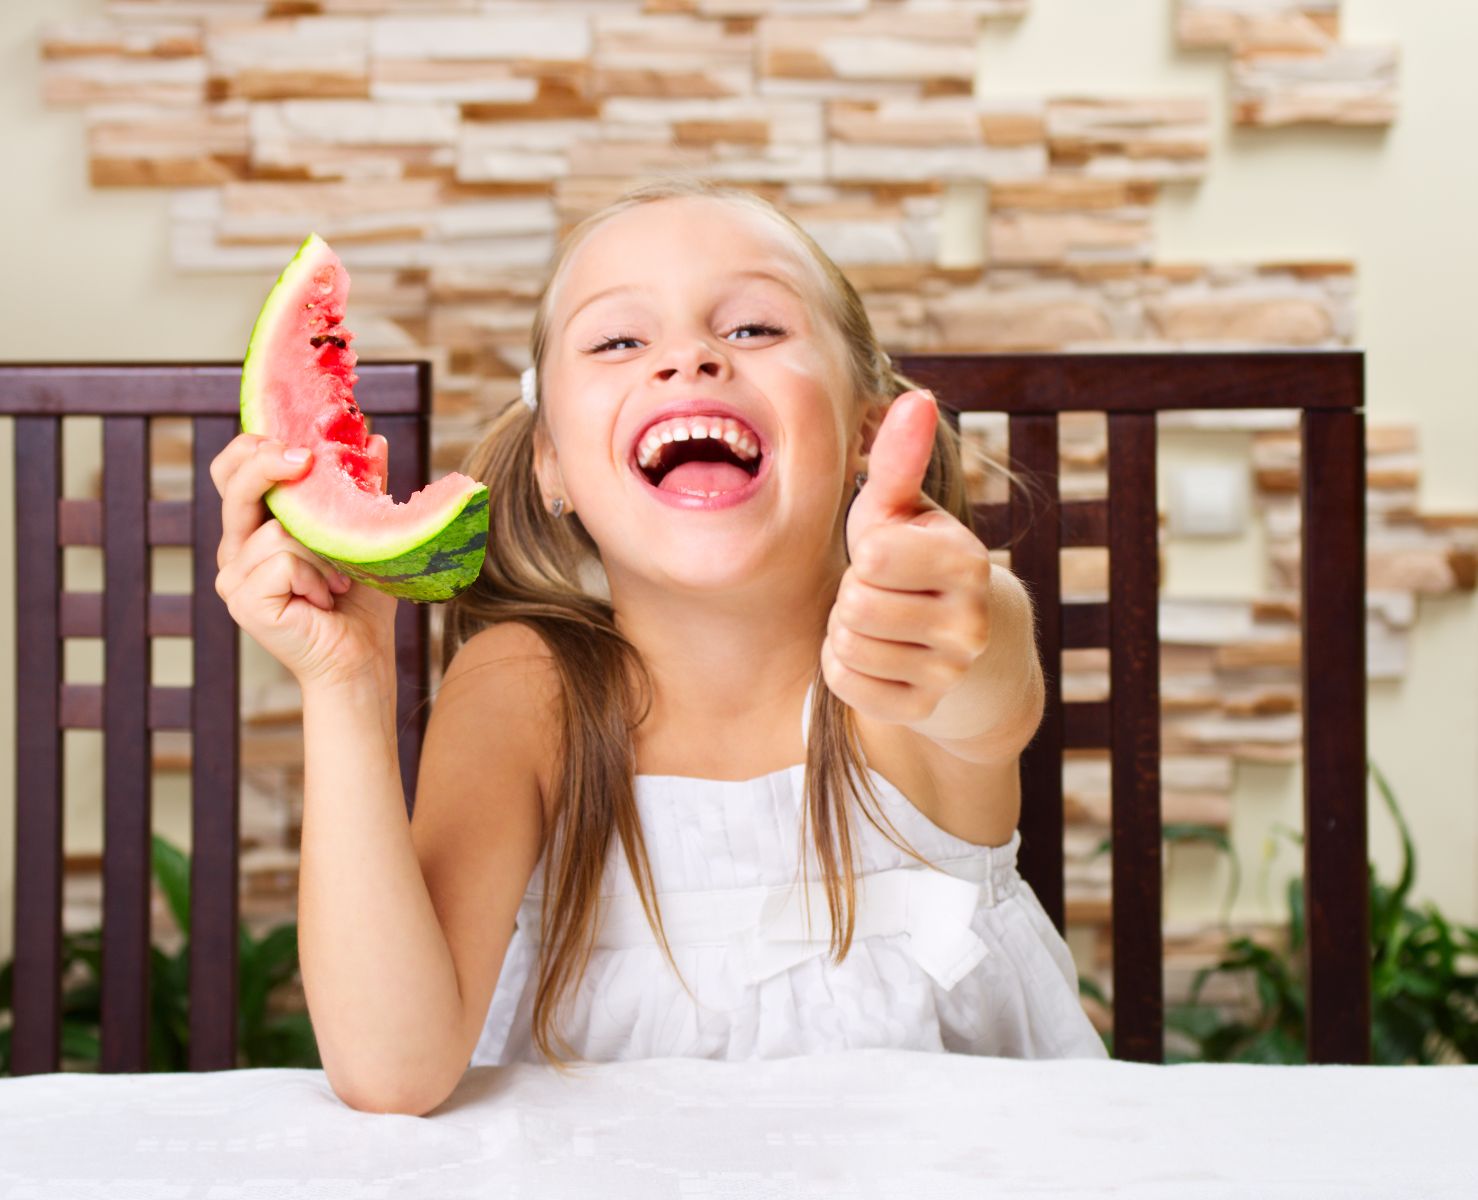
(1399,203)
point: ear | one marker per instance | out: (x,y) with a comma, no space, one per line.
(869,423)
(546,469)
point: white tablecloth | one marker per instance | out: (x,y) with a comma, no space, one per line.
(904,1125)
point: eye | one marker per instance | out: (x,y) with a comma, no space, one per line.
(611,343)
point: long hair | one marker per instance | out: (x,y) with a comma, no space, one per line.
(545,572)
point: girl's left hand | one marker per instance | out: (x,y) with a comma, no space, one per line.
(913,609)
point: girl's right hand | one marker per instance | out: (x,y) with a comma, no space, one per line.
(321,625)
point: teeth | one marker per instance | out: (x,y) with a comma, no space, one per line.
(680,430)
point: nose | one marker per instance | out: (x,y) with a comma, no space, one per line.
(693,358)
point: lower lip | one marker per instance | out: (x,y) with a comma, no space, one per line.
(706,503)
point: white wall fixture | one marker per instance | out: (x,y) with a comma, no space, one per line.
(1208,501)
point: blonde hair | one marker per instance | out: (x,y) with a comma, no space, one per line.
(534,572)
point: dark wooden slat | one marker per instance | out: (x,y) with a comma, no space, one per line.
(1086,725)
(215,787)
(169,523)
(1140,383)
(1336,895)
(409,466)
(82,614)
(82,522)
(36,988)
(126,812)
(1084,523)
(82,707)
(1134,690)
(1036,561)
(176,389)
(1085,626)
(992,523)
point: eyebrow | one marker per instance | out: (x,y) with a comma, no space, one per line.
(632,287)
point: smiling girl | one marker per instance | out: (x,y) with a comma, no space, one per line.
(724,761)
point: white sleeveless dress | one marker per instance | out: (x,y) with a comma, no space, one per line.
(965,961)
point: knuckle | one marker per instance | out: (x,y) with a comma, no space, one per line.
(846,641)
(853,606)
(871,555)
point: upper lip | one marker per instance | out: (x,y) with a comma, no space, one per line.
(697,406)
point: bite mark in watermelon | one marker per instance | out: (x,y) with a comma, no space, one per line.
(297,386)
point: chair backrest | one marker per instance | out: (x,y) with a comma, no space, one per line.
(125,522)
(1131,389)
(1032,389)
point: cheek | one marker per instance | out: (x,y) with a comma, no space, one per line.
(813,411)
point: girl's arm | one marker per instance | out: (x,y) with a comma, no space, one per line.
(403,927)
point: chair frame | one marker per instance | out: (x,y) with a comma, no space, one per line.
(125,523)
(1327,387)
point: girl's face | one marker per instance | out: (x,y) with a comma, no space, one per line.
(675,311)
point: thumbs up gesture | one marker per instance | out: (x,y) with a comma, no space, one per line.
(912,612)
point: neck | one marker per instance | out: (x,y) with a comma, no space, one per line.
(729,668)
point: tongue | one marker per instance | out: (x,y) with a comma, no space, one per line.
(700,478)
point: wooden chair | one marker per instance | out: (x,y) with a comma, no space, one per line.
(1031,389)
(1328,388)
(125,523)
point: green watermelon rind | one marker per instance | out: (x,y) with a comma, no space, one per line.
(429,563)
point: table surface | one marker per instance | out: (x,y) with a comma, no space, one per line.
(865,1123)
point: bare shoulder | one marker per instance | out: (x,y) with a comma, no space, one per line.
(501,691)
(977,802)
(479,823)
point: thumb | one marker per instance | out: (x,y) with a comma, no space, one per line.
(897,463)
(377,447)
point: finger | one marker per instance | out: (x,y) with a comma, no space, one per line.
(897,462)
(267,541)
(284,575)
(378,449)
(885,698)
(899,662)
(879,612)
(926,556)
(242,509)
(232,455)
(955,636)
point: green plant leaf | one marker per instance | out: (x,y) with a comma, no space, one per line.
(277,954)
(1196,1021)
(288,1040)
(81,1040)
(1296,932)
(172,871)
(1408,850)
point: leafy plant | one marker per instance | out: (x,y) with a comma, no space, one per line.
(262,1040)
(1424,985)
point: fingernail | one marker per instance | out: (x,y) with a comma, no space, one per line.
(343,581)
(296,455)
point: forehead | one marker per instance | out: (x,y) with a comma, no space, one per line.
(692,237)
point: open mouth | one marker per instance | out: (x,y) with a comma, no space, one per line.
(699,458)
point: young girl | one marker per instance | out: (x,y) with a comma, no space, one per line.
(724,762)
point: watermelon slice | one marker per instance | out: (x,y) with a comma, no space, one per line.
(297,386)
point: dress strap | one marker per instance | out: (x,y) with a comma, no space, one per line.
(806,714)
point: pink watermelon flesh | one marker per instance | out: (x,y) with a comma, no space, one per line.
(298,387)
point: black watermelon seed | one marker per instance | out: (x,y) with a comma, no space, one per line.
(315,342)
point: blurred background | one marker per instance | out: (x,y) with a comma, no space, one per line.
(992,175)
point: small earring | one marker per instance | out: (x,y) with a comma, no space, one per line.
(559,506)
(861,478)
